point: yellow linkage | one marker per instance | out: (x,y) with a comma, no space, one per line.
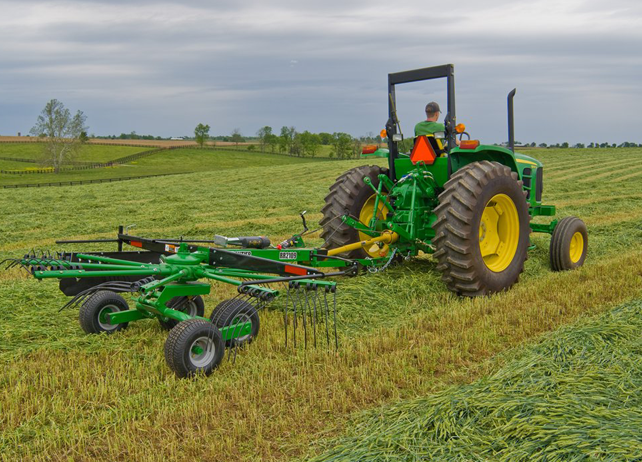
(388,237)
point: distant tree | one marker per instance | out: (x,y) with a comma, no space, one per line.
(251,147)
(564,145)
(356,148)
(61,133)
(236,136)
(342,143)
(326,139)
(591,145)
(286,139)
(264,135)
(310,142)
(579,145)
(533,144)
(83,138)
(201,134)
(543,145)
(272,141)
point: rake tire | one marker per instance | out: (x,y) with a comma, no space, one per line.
(457,228)
(92,312)
(233,309)
(347,196)
(194,307)
(194,347)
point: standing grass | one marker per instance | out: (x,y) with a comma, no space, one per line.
(69,396)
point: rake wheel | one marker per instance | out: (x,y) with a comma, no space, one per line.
(194,347)
(233,311)
(193,306)
(93,312)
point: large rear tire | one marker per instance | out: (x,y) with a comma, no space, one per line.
(349,195)
(482,229)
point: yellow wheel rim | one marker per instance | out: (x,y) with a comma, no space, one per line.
(367,211)
(499,233)
(577,247)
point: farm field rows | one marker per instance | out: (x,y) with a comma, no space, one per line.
(69,396)
(172,161)
(576,395)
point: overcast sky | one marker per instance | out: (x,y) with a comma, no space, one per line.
(162,67)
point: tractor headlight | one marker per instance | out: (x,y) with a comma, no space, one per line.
(440,135)
(397,137)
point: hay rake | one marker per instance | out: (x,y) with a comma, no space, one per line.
(167,279)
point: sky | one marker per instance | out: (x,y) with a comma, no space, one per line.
(161,68)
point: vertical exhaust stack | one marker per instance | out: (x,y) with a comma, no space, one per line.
(511,121)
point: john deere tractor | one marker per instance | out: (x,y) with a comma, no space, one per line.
(470,205)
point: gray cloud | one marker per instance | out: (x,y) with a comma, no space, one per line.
(162,68)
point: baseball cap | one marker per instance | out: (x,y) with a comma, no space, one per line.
(432,107)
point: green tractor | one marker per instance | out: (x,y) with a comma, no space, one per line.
(470,205)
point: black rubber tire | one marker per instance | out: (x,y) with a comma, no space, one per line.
(92,310)
(347,196)
(180,342)
(228,311)
(459,212)
(561,243)
(194,306)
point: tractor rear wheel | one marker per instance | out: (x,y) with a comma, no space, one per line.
(349,195)
(569,244)
(482,229)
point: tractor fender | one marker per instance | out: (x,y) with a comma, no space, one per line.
(462,157)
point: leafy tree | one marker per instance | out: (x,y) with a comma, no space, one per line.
(310,143)
(342,143)
(286,138)
(236,136)
(273,142)
(264,135)
(83,138)
(543,145)
(60,132)
(201,134)
(564,145)
(326,139)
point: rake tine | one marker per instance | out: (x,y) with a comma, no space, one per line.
(314,319)
(336,338)
(327,315)
(285,318)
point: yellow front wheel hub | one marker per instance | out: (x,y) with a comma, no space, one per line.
(499,233)
(365,216)
(577,247)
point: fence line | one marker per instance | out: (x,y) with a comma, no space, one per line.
(81,182)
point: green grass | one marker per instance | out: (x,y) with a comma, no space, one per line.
(88,152)
(170,161)
(576,395)
(72,396)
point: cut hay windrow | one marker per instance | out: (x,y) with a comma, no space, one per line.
(577,395)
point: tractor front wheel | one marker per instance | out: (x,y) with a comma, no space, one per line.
(194,347)
(193,306)
(349,195)
(482,229)
(235,311)
(569,244)
(93,313)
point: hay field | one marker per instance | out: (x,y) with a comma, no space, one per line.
(69,396)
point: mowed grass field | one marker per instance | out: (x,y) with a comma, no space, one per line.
(65,395)
(171,161)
